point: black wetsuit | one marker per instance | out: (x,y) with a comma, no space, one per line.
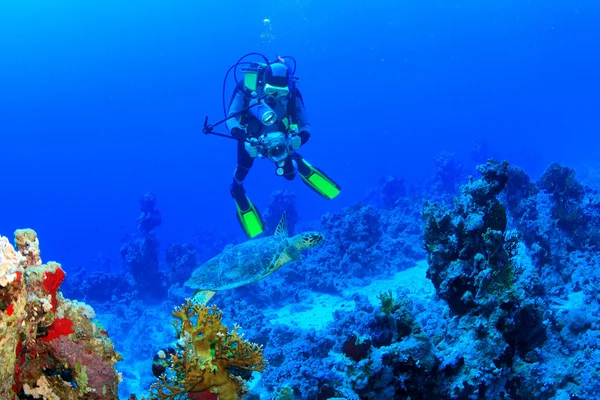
(294,109)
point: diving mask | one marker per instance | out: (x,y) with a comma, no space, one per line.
(276,91)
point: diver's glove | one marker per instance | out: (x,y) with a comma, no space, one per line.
(294,142)
(250,146)
(238,133)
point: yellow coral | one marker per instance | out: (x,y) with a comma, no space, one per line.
(208,351)
(42,389)
(81,378)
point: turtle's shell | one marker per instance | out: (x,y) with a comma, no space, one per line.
(238,265)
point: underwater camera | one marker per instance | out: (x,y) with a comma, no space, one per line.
(274,147)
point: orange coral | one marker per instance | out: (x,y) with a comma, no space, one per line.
(208,352)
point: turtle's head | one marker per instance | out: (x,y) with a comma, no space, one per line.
(307,240)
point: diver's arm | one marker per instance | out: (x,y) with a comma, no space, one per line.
(233,123)
(301,118)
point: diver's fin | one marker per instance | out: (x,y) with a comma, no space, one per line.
(202,297)
(250,220)
(247,214)
(282,231)
(317,180)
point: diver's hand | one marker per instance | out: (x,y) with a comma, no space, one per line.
(294,142)
(238,133)
(250,146)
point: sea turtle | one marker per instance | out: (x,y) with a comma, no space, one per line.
(250,261)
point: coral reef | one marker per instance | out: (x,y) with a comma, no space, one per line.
(389,191)
(208,358)
(466,246)
(392,189)
(141,254)
(472,265)
(559,218)
(181,259)
(480,337)
(363,241)
(298,360)
(281,201)
(447,176)
(387,355)
(207,242)
(98,287)
(353,235)
(49,346)
(506,306)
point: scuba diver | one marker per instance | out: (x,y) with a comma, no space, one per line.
(267,117)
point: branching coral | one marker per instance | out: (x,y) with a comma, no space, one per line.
(208,356)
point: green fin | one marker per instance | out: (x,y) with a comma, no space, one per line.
(202,297)
(318,181)
(249,217)
(282,231)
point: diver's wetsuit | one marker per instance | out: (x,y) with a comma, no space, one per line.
(294,109)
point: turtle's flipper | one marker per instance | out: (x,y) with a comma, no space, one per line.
(317,180)
(202,297)
(288,255)
(247,214)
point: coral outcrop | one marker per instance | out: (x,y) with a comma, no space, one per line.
(49,346)
(141,254)
(467,247)
(482,334)
(474,268)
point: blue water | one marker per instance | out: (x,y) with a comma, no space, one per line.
(101,102)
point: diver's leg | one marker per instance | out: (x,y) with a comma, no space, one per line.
(301,166)
(248,216)
(244,163)
(290,168)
